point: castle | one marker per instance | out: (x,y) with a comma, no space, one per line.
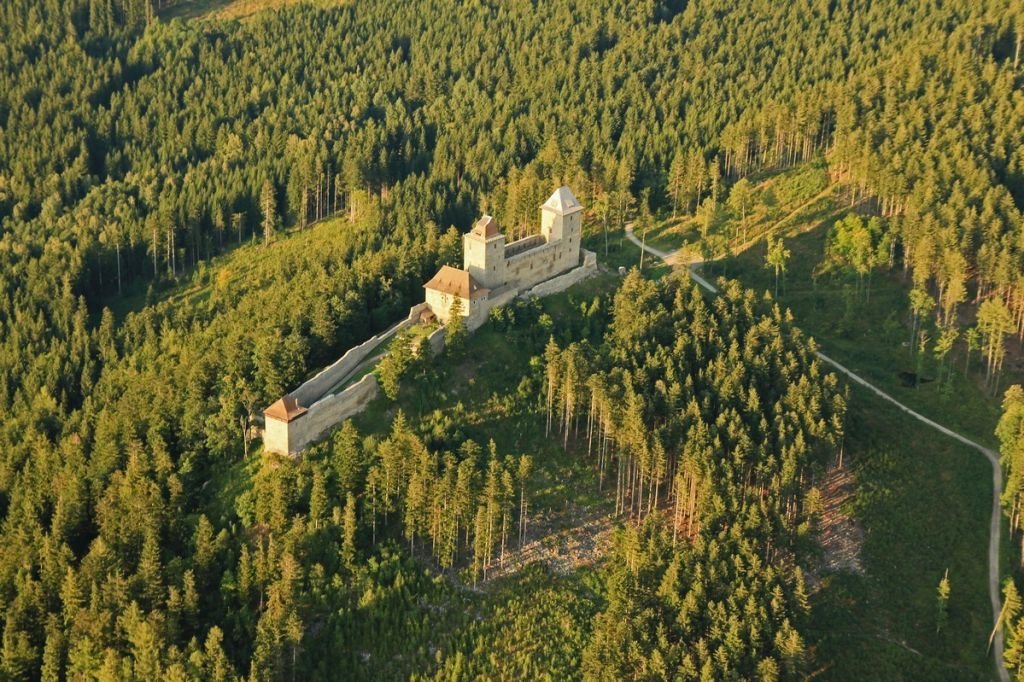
(494,272)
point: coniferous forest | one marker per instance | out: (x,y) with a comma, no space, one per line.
(196,215)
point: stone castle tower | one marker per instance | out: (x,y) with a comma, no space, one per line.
(483,253)
(560,216)
(560,222)
(494,272)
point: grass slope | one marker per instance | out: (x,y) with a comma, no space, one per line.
(242,270)
(492,392)
(532,623)
(231,9)
(925,501)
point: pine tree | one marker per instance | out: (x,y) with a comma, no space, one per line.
(740,200)
(148,574)
(216,665)
(396,364)
(552,365)
(268,206)
(943,602)
(677,180)
(348,546)
(455,330)
(776,259)
(318,500)
(204,544)
(523,473)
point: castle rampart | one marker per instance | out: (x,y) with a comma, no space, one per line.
(494,273)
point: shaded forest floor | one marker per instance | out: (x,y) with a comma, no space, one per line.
(564,541)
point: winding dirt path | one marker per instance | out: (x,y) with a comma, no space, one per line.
(995,527)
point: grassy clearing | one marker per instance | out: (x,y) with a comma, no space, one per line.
(239,268)
(674,233)
(533,623)
(493,392)
(228,481)
(232,9)
(925,501)
(776,199)
(614,250)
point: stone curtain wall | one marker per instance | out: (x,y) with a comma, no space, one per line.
(533,265)
(498,298)
(436,340)
(314,389)
(563,282)
(542,263)
(324,411)
(328,412)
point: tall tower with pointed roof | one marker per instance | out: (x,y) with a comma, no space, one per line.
(560,216)
(560,219)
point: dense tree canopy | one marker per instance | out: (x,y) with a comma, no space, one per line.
(133,151)
(722,411)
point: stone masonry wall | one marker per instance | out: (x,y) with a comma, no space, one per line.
(563,282)
(327,413)
(436,340)
(314,389)
(534,265)
(498,298)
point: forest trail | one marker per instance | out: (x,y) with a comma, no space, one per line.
(993,457)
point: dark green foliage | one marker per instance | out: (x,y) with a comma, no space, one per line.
(138,536)
(720,411)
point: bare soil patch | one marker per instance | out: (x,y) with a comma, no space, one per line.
(840,535)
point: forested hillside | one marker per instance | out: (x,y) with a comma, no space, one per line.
(135,152)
